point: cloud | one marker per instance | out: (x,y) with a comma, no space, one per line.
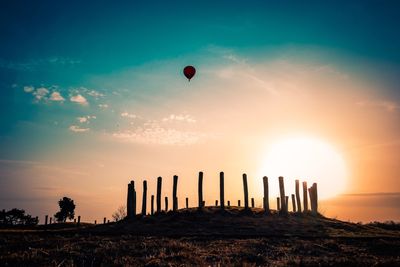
(95,94)
(160,136)
(39,64)
(56,96)
(79,99)
(389,106)
(127,115)
(41,93)
(28,89)
(82,119)
(374,199)
(103,106)
(48,93)
(85,91)
(153,132)
(235,58)
(179,118)
(85,119)
(77,129)
(377,194)
(62,61)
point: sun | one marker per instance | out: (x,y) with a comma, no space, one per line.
(307,159)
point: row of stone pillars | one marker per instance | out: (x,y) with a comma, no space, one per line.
(282,201)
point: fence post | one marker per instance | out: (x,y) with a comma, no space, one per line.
(152,205)
(294,203)
(315,198)
(298,196)
(79,220)
(134,203)
(133,199)
(305,197)
(239,203)
(229,203)
(204,203)
(174,197)
(216,202)
(46,218)
(201,204)
(104,220)
(266,195)
(278,204)
(282,194)
(144,201)
(187,202)
(246,192)
(129,201)
(221,190)
(95,222)
(159,183)
(166,204)
(51,219)
(74,220)
(252,202)
(287,204)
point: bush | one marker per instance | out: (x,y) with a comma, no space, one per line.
(119,214)
(16,217)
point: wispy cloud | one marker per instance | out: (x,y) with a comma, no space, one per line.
(234,58)
(77,129)
(378,194)
(128,115)
(85,119)
(159,135)
(79,99)
(389,106)
(41,165)
(39,64)
(370,200)
(103,106)
(11,161)
(179,118)
(95,94)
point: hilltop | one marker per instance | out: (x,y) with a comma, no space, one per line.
(237,222)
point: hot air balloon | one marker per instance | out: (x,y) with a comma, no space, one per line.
(189,72)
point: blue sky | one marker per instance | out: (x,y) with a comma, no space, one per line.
(75,77)
(67,44)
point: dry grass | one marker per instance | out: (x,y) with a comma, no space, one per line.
(209,238)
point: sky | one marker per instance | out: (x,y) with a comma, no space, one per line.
(92,96)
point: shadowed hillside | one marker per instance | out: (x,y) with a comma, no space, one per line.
(237,222)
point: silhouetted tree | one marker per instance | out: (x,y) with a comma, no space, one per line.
(16,217)
(119,214)
(67,209)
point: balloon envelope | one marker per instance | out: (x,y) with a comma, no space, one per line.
(189,72)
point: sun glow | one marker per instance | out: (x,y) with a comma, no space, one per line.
(306,159)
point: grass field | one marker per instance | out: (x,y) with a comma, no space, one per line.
(212,237)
